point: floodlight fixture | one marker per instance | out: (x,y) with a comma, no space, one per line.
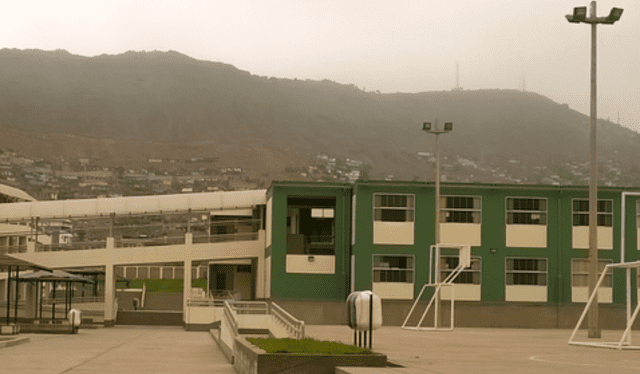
(448,126)
(426,126)
(613,16)
(579,14)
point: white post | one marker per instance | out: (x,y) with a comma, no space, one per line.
(186,286)
(109,295)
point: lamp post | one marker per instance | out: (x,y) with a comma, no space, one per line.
(580,16)
(448,126)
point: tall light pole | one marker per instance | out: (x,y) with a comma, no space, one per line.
(580,16)
(448,126)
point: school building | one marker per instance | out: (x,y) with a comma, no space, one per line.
(307,245)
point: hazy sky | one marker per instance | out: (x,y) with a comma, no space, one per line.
(390,46)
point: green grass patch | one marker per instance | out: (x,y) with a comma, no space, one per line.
(163,285)
(310,346)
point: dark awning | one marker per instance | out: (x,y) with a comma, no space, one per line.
(55,276)
(8,260)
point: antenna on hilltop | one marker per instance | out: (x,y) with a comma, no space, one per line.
(457,87)
(523,83)
(618,118)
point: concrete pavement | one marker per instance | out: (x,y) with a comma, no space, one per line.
(120,349)
(467,350)
(153,349)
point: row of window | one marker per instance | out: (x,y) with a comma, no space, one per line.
(518,271)
(467,209)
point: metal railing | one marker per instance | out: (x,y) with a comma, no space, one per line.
(249,307)
(5,249)
(231,318)
(292,325)
(74,246)
(74,300)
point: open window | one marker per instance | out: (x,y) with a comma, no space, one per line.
(311,225)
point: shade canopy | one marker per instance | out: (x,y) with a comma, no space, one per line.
(54,276)
(8,260)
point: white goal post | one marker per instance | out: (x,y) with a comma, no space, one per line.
(632,313)
(464,261)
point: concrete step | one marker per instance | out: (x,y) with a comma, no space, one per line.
(149,317)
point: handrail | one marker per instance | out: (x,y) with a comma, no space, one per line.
(231,317)
(144,295)
(249,307)
(75,299)
(289,322)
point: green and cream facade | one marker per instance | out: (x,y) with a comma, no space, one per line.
(529,248)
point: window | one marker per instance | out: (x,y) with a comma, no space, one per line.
(393,208)
(526,271)
(470,275)
(526,211)
(460,209)
(580,272)
(638,217)
(311,225)
(396,269)
(581,212)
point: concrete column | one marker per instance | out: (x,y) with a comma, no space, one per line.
(31,247)
(188,238)
(260,271)
(29,300)
(109,295)
(111,243)
(186,286)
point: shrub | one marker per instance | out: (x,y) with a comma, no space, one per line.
(308,345)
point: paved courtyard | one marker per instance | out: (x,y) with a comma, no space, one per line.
(122,350)
(475,350)
(151,349)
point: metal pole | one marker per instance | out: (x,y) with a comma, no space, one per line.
(17,295)
(8,293)
(594,328)
(53,303)
(436,309)
(370,319)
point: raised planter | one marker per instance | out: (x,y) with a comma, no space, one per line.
(249,359)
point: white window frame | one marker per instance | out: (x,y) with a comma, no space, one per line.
(412,208)
(545,211)
(374,268)
(586,213)
(507,271)
(444,209)
(604,261)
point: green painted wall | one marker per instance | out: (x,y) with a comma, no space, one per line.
(493,249)
(310,286)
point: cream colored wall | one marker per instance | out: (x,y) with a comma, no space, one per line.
(399,233)
(526,293)
(580,237)
(269,222)
(467,292)
(528,236)
(319,265)
(203,315)
(391,290)
(461,233)
(267,277)
(581,294)
(253,320)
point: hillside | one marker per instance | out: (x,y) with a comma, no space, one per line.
(125,109)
